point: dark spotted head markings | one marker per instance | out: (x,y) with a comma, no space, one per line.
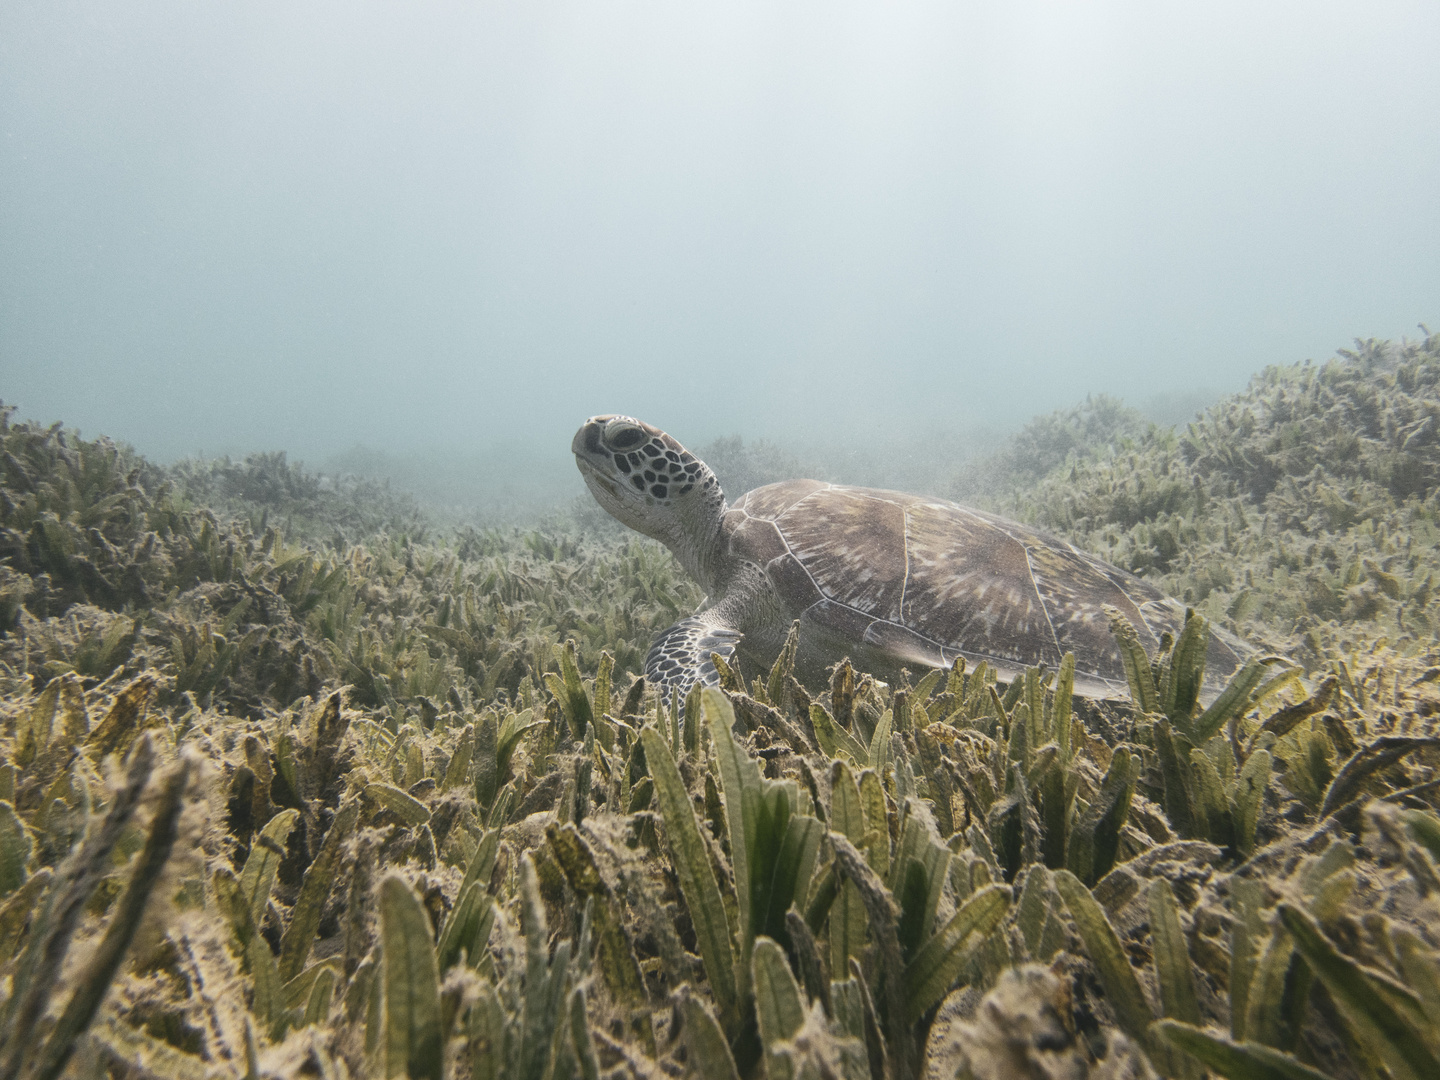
(651,466)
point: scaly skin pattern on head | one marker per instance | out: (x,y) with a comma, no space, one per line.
(647,480)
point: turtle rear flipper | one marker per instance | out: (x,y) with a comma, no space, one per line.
(680,656)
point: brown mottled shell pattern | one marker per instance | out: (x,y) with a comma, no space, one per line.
(921,581)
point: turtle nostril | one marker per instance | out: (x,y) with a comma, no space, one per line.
(592,438)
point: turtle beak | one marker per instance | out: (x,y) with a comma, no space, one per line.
(595,478)
(590,456)
(587,439)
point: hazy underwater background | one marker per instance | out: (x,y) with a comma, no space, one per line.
(428,241)
(323,746)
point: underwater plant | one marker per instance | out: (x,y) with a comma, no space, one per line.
(274,803)
(1301,510)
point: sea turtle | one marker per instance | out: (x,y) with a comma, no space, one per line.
(888,579)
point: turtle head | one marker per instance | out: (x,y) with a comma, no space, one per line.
(647,480)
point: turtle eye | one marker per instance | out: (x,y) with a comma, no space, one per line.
(623,434)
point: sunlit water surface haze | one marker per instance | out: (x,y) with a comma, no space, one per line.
(444,234)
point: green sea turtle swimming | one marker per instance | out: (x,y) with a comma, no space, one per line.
(888,579)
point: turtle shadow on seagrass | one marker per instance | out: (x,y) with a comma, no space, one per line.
(888,579)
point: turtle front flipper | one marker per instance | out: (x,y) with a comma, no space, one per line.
(680,656)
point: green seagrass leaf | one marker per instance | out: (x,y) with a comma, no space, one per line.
(575,702)
(604,671)
(1237,1061)
(482,863)
(1421,968)
(790,881)
(879,754)
(32,733)
(458,771)
(514,727)
(467,928)
(739,780)
(1095,838)
(783,666)
(1247,796)
(317,1004)
(1185,671)
(487,772)
(1233,701)
(1211,803)
(940,960)
(1122,987)
(14,850)
(833,738)
(691,727)
(1173,750)
(705,1043)
(1245,929)
(583,1045)
(937,777)
(1173,969)
(919,845)
(1372,1016)
(1034,905)
(413,1043)
(1135,662)
(266,851)
(1172,964)
(779,1008)
(872,801)
(314,891)
(847,914)
(691,859)
(1379,754)
(486,1035)
(297,991)
(268,1003)
(18,910)
(1276,997)
(404,805)
(1058,718)
(847,814)
(1035,708)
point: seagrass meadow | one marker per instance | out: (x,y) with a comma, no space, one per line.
(294,782)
